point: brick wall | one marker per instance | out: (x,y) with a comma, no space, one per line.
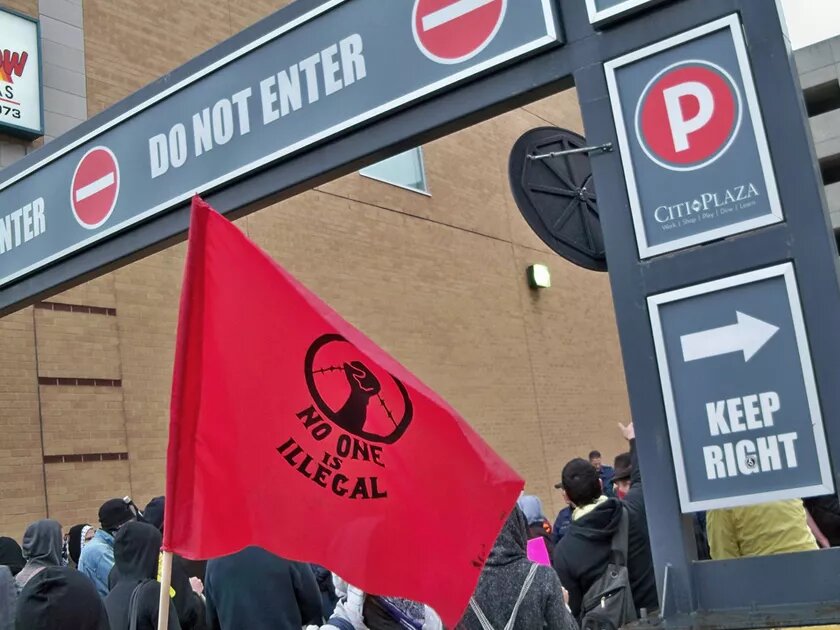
(21,469)
(438,281)
(81,420)
(76,490)
(80,345)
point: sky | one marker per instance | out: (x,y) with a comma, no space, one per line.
(811,21)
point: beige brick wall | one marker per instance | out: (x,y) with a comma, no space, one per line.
(76,491)
(22,495)
(578,381)
(98,292)
(131,44)
(77,345)
(21,471)
(79,420)
(147,308)
(438,281)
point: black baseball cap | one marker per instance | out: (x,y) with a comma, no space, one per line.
(581,482)
(114,513)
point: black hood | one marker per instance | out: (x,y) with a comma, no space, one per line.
(11,554)
(153,514)
(512,543)
(136,551)
(600,524)
(75,540)
(60,594)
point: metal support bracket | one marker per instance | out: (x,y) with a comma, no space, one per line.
(601,148)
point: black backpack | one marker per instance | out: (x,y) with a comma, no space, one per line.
(608,604)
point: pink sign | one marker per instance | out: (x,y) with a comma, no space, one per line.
(538,552)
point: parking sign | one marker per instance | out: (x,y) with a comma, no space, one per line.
(692,140)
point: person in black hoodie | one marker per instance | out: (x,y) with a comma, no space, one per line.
(11,563)
(153,515)
(581,557)
(258,590)
(640,561)
(11,554)
(324,578)
(136,555)
(8,599)
(188,603)
(60,598)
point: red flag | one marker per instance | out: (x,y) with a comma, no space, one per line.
(292,431)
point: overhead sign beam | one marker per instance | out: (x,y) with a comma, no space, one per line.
(301,82)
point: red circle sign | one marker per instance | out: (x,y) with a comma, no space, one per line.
(452,31)
(689,115)
(95,187)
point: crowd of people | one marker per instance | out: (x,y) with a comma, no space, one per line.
(600,574)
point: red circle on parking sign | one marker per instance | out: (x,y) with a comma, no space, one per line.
(688,115)
(95,187)
(452,31)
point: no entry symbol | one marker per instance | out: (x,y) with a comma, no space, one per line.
(95,187)
(452,31)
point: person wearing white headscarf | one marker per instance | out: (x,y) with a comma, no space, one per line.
(75,541)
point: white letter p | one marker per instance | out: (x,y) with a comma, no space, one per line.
(680,127)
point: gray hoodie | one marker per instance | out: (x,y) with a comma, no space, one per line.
(8,597)
(502,580)
(42,545)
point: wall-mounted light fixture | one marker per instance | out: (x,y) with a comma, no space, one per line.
(539,277)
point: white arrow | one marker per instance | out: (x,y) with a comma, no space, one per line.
(748,336)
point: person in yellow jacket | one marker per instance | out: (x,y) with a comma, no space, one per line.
(762,530)
(759,530)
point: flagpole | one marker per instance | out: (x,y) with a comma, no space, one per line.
(165,583)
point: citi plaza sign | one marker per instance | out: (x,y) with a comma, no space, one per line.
(692,139)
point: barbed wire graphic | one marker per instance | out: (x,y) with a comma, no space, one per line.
(332,368)
(387,410)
